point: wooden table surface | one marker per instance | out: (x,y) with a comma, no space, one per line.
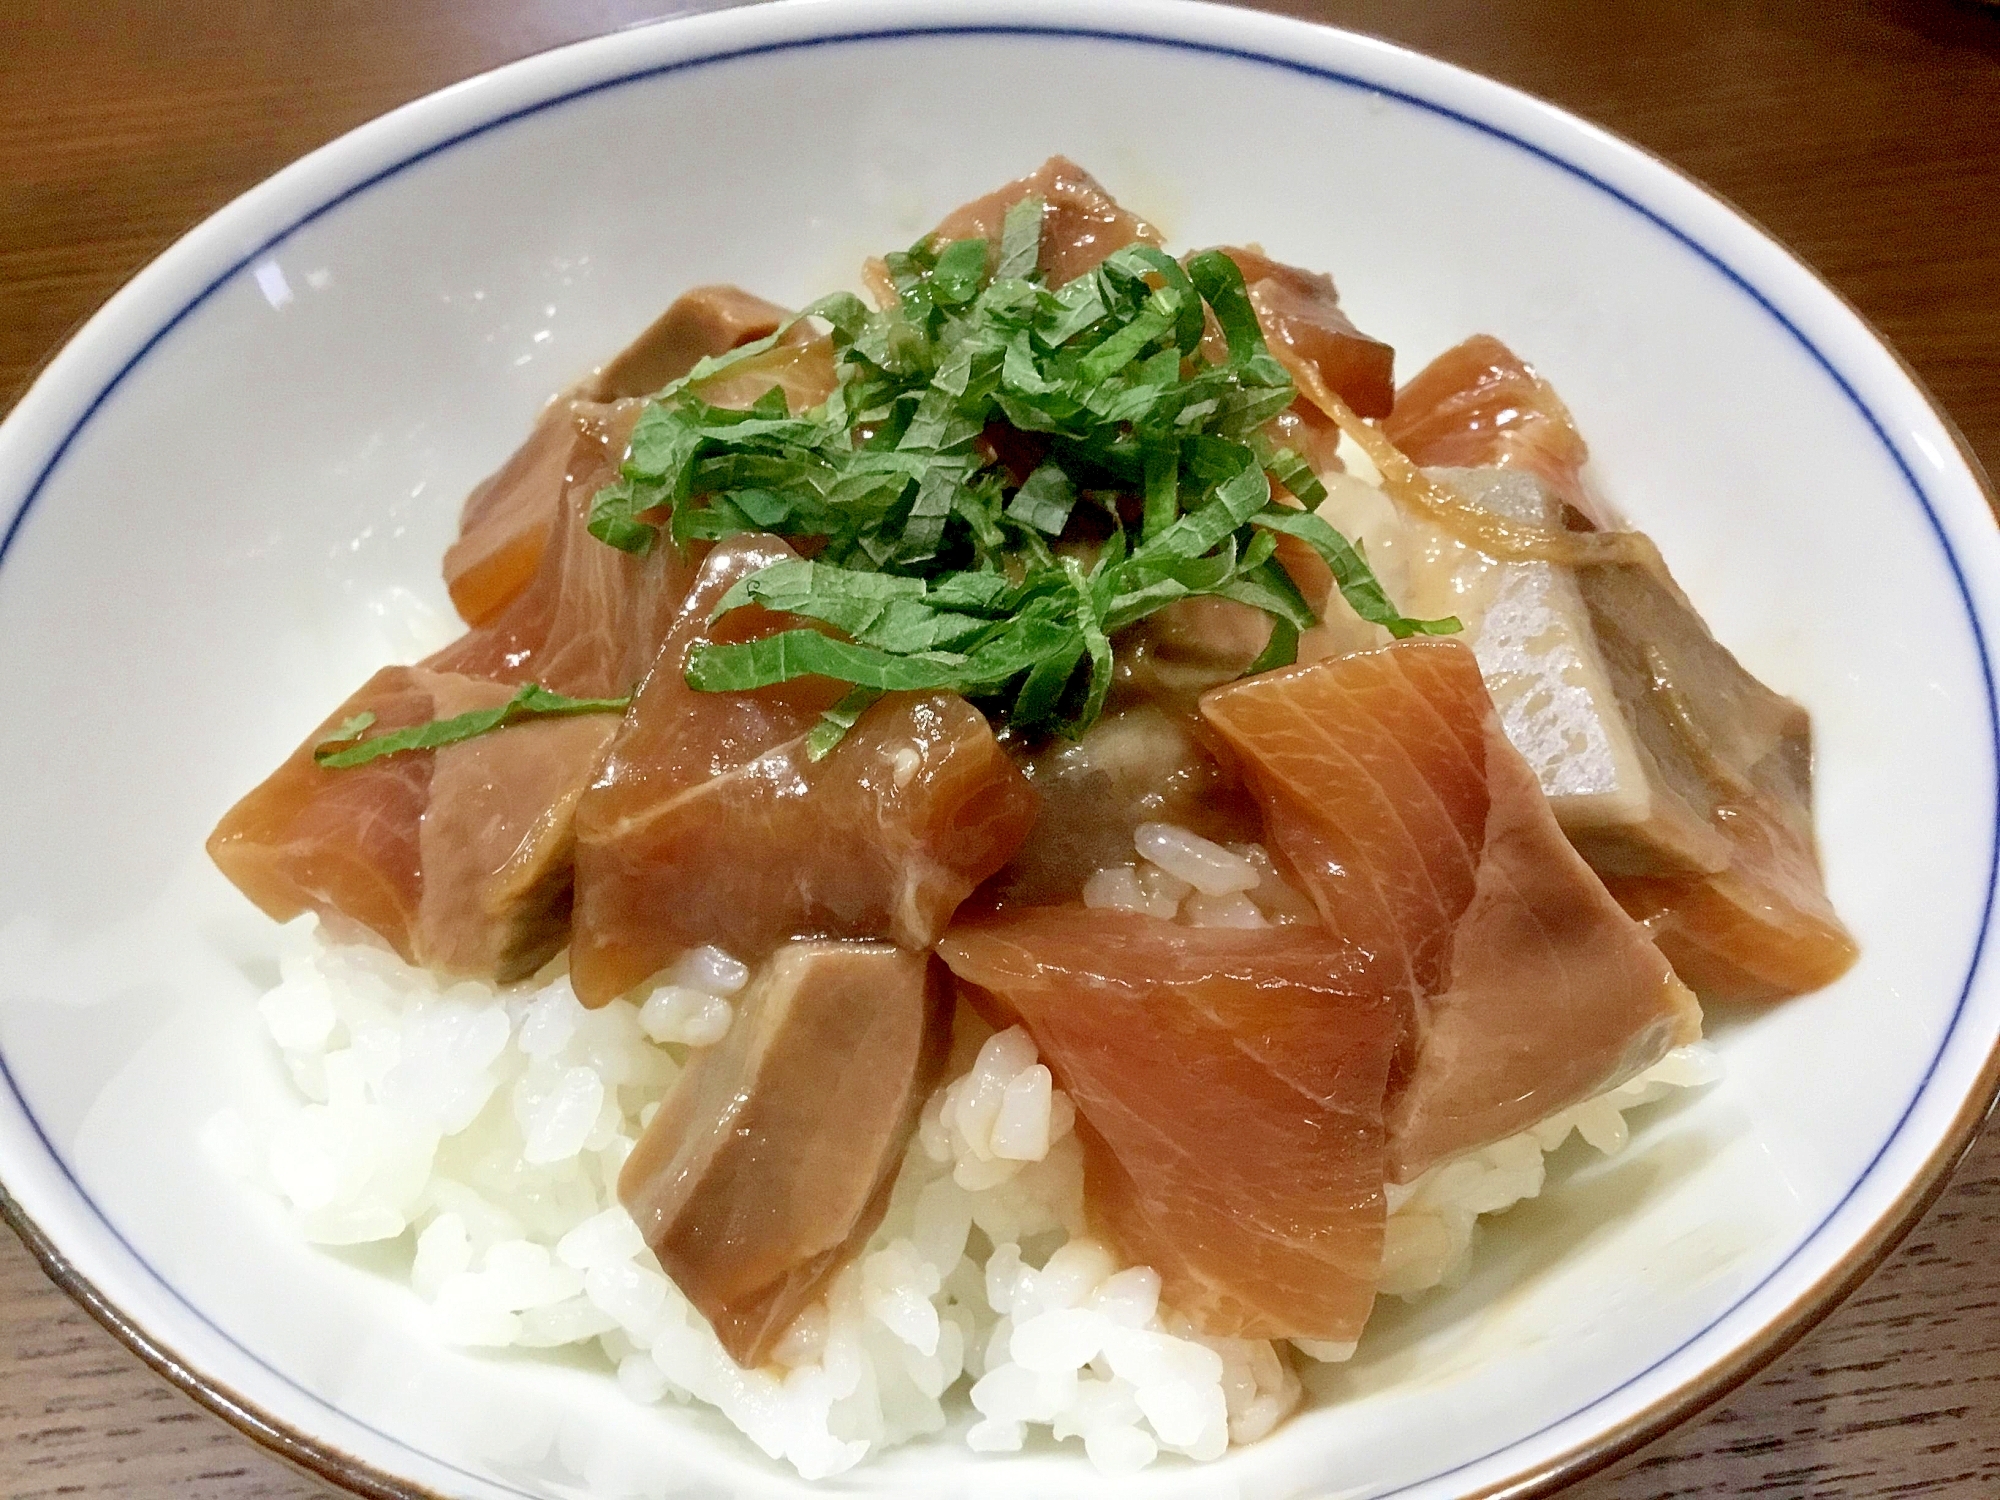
(1864,133)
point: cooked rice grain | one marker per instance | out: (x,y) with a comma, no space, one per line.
(486,1127)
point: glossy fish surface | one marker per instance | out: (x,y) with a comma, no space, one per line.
(1392,795)
(1229,1093)
(712,823)
(769,1163)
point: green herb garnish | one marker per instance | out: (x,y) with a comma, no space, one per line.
(1006,476)
(941,564)
(346,747)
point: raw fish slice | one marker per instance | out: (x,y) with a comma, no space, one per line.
(1143,764)
(1229,1090)
(673,742)
(1762,927)
(1421,835)
(1178,653)
(1761,930)
(1480,406)
(769,1164)
(706,321)
(711,824)
(883,838)
(593,616)
(497,839)
(344,843)
(505,526)
(592,619)
(674,737)
(458,858)
(1740,907)
(1301,316)
(1583,710)
(1081,224)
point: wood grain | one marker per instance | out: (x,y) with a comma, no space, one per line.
(1865,133)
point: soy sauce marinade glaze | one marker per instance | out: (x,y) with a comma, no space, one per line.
(868,644)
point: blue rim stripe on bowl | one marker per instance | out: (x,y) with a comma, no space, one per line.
(1085,34)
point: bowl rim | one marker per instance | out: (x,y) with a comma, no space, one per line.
(762,29)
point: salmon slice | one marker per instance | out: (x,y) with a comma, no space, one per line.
(711,824)
(770,1162)
(1391,792)
(1479,405)
(1302,319)
(1081,223)
(457,858)
(1229,1092)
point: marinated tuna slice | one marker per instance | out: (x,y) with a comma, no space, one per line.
(1762,927)
(1576,702)
(1391,792)
(1480,406)
(457,858)
(1081,224)
(711,824)
(883,838)
(707,321)
(801,367)
(343,844)
(1301,316)
(769,1164)
(504,528)
(497,839)
(1144,764)
(1761,930)
(1694,800)
(674,742)
(1179,653)
(1229,1091)
(591,620)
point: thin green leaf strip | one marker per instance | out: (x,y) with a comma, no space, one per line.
(345,747)
(1005,477)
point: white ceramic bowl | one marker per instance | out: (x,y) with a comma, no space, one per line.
(211,493)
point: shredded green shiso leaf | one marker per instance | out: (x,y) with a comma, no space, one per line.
(939,565)
(346,747)
(936,560)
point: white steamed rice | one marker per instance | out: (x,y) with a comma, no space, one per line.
(485,1128)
